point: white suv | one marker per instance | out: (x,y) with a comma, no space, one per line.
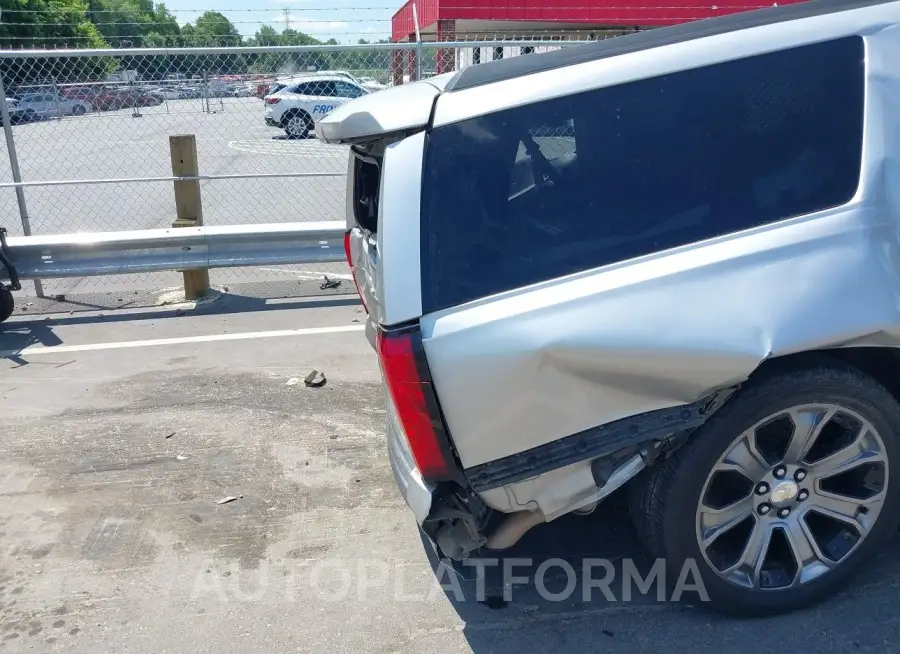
(299,105)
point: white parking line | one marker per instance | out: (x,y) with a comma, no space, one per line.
(309,275)
(33,350)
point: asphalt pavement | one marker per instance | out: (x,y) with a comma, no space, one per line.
(170,484)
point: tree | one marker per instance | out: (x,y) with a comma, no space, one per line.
(213,29)
(285,63)
(265,36)
(136,23)
(45,24)
(364,62)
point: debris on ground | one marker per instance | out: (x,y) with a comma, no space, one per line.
(329,283)
(170,435)
(179,312)
(315,379)
(59,298)
(293,381)
(356,320)
(226,500)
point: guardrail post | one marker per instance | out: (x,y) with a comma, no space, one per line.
(188,207)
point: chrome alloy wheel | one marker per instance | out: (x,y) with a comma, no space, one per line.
(297,125)
(792,497)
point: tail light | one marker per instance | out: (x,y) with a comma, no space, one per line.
(349,256)
(412,393)
(272,100)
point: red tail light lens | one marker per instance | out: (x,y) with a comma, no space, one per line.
(349,256)
(406,376)
(271,100)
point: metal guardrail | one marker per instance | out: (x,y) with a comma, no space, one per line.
(182,248)
(104,166)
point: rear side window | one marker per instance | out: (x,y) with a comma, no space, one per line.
(322,88)
(574,183)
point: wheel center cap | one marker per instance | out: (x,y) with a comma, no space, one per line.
(784,491)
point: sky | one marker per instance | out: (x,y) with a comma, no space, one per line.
(344,20)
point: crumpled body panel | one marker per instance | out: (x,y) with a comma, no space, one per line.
(526,368)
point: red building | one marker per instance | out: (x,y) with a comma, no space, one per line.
(487,20)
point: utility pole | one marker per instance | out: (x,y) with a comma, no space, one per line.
(287,18)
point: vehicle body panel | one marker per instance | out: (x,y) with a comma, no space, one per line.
(525,368)
(16,111)
(393,110)
(43,105)
(521,370)
(604,71)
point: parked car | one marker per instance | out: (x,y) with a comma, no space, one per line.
(16,111)
(367,83)
(191,92)
(372,84)
(661,265)
(297,107)
(45,105)
(172,94)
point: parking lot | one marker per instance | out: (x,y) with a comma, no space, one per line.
(123,432)
(231,140)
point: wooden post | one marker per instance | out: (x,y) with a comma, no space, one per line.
(188,207)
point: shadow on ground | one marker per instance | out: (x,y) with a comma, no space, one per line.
(548,609)
(17,335)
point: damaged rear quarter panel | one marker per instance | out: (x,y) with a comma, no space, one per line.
(528,367)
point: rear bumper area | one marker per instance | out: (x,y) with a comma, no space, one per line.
(415,491)
(448,516)
(271,122)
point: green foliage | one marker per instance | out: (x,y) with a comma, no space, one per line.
(52,24)
(283,63)
(47,24)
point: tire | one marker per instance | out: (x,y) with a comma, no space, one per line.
(78,110)
(30,115)
(666,499)
(298,124)
(7,304)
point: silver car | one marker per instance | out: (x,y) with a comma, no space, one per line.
(667,265)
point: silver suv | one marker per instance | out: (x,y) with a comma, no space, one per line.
(666,264)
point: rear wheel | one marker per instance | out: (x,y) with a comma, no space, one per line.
(78,110)
(298,124)
(783,494)
(7,304)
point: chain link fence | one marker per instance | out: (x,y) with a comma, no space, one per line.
(90,130)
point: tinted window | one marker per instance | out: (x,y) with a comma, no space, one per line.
(346,90)
(557,187)
(323,88)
